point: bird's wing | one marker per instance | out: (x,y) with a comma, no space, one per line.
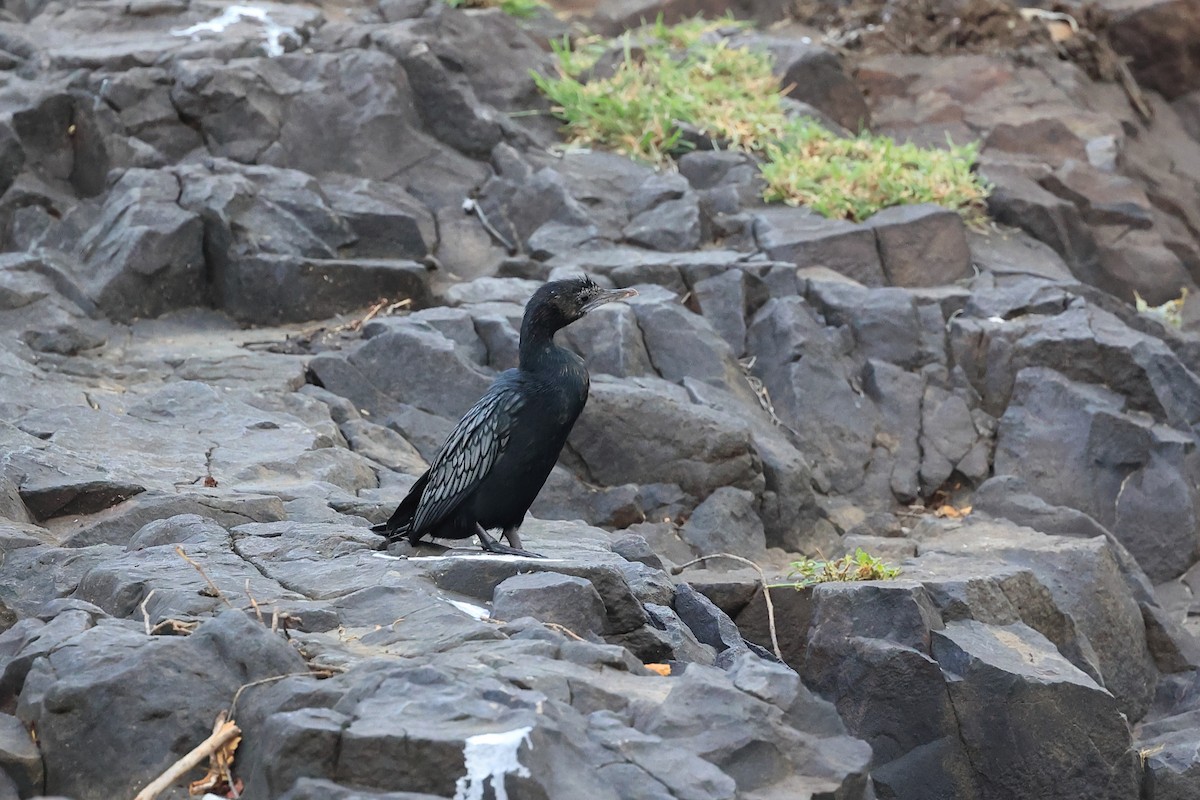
(469,454)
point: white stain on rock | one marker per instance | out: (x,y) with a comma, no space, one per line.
(491,757)
(470,609)
(273,32)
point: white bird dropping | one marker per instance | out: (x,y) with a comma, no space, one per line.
(491,756)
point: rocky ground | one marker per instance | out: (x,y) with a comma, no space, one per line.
(259,258)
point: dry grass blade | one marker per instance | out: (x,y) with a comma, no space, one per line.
(254,603)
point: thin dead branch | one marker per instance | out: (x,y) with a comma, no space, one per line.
(762,577)
(203,574)
(145,613)
(174,627)
(564,630)
(320,672)
(223,733)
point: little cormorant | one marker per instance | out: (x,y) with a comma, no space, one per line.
(497,458)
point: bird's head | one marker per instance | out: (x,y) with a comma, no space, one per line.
(559,303)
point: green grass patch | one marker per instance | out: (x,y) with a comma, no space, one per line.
(861,566)
(522,9)
(690,74)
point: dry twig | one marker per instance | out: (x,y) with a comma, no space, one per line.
(564,630)
(203,574)
(254,603)
(224,733)
(175,627)
(762,579)
(323,672)
(145,613)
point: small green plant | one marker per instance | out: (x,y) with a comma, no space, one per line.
(861,566)
(689,74)
(522,9)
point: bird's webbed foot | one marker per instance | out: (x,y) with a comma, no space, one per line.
(492,546)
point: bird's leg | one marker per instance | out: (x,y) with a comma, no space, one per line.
(492,546)
(510,533)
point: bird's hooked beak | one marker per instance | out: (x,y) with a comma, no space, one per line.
(607,296)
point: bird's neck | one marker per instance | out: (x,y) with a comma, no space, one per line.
(538,350)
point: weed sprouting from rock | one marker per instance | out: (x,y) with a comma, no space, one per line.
(860,566)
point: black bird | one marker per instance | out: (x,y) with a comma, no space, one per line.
(497,458)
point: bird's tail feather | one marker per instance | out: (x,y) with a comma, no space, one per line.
(399,526)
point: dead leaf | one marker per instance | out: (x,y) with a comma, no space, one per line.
(219,779)
(659,669)
(1059,31)
(950,512)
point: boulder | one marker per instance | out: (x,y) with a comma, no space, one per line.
(1031,691)
(76,689)
(647,433)
(1154,37)
(921,245)
(726,522)
(806,239)
(1049,436)
(564,600)
(139,253)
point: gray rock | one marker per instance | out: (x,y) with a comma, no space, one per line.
(383,445)
(1044,698)
(1051,435)
(561,599)
(726,522)
(1018,201)
(684,645)
(448,106)
(518,207)
(633,547)
(922,245)
(632,433)
(1073,570)
(673,225)
(708,169)
(726,299)
(807,239)
(387,222)
(1016,252)
(683,345)
(885,322)
(320,789)
(611,342)
(283,288)
(812,380)
(139,239)
(72,689)
(1170,766)
(709,624)
(19,757)
(1104,198)
(118,524)
(702,710)
(179,529)
(411,365)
